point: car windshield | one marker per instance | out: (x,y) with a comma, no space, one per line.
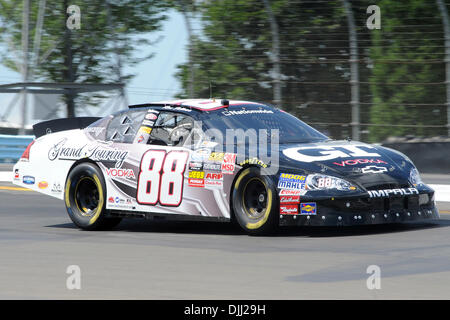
(291,129)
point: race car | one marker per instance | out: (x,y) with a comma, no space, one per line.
(218,160)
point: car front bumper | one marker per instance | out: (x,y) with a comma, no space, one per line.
(364,211)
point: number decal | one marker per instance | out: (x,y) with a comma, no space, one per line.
(161,177)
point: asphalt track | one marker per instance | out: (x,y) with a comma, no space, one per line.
(184,260)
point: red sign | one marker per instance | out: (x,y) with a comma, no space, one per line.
(289,199)
(196,182)
(287,192)
(124,173)
(353,162)
(289,209)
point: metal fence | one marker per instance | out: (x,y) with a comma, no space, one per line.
(12,147)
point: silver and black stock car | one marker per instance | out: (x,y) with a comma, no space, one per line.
(218,160)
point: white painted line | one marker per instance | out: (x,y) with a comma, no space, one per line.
(442,192)
(6,176)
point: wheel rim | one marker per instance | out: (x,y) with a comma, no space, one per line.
(254,198)
(87,196)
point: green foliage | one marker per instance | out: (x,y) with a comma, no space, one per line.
(419,54)
(234,54)
(108,30)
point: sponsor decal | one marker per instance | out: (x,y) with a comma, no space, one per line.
(212,166)
(308,208)
(287,192)
(200,154)
(392,192)
(228,164)
(16,174)
(181,108)
(196,165)
(214,179)
(56,188)
(121,173)
(120,203)
(146,130)
(216,156)
(43,185)
(352,162)
(151,116)
(289,209)
(28,180)
(148,123)
(245,111)
(312,154)
(95,152)
(197,174)
(374,169)
(253,161)
(140,139)
(196,182)
(291,181)
(289,199)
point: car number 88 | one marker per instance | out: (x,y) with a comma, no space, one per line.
(161,177)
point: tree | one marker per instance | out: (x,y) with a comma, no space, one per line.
(235,54)
(408,77)
(110,33)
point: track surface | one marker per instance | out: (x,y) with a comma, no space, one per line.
(168,260)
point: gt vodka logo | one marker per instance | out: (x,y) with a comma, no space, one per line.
(312,154)
(388,192)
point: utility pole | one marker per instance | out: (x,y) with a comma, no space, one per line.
(123,94)
(446,24)
(25,38)
(185,12)
(277,96)
(37,37)
(354,71)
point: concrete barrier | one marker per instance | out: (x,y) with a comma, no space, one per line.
(428,156)
(12,147)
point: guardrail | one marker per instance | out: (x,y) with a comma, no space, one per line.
(12,147)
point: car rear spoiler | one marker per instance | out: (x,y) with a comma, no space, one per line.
(56,125)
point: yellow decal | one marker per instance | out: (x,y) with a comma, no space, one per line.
(216,156)
(197,174)
(145,130)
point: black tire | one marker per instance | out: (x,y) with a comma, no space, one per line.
(85,198)
(255,202)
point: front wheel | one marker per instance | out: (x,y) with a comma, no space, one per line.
(84,196)
(255,202)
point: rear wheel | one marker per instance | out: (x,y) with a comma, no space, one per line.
(255,202)
(85,194)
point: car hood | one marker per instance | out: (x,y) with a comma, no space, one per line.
(370,166)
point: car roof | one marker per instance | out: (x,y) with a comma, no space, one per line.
(196,104)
